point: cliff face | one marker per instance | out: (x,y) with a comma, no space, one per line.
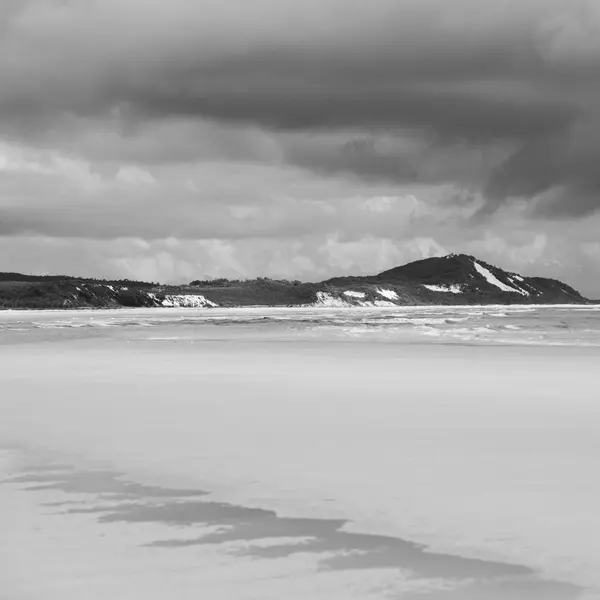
(454,279)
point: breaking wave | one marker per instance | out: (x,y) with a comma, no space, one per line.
(557,325)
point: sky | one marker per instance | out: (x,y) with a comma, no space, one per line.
(187,139)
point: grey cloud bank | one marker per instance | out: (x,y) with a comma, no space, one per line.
(129,119)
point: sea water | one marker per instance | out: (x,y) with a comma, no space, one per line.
(300,453)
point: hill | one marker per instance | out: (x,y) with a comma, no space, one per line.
(453,279)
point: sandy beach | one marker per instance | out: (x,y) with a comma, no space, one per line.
(157,455)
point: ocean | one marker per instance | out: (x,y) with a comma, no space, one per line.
(435,453)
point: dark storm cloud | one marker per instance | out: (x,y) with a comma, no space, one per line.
(410,159)
(560,171)
(447,114)
(515,76)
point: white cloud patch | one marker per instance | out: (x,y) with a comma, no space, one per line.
(133,175)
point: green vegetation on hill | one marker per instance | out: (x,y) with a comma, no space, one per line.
(261,291)
(450,280)
(69,293)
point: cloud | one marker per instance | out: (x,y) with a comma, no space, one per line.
(45,193)
(404,159)
(254,123)
(289,65)
(458,77)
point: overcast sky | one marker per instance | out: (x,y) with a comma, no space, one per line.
(171,140)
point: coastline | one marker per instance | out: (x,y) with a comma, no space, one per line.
(300,307)
(452,280)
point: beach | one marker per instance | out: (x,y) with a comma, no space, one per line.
(440,453)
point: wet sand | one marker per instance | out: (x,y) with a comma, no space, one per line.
(103,498)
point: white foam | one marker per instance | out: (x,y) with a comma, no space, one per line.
(354,294)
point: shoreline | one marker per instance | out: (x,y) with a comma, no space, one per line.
(294,307)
